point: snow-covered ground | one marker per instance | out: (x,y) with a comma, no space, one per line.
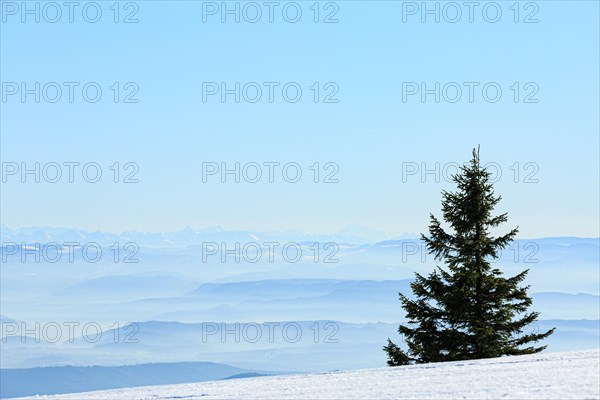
(568,375)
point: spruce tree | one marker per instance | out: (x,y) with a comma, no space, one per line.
(467,310)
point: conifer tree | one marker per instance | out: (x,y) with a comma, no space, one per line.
(466,310)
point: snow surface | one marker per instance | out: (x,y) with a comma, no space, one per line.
(567,375)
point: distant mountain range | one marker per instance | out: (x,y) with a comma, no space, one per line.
(292,345)
(69,379)
(353,234)
(173,292)
(186,237)
(167,298)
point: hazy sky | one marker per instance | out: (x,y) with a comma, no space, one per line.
(370,61)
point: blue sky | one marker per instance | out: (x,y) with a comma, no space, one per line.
(369,133)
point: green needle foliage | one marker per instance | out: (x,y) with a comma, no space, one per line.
(467,310)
